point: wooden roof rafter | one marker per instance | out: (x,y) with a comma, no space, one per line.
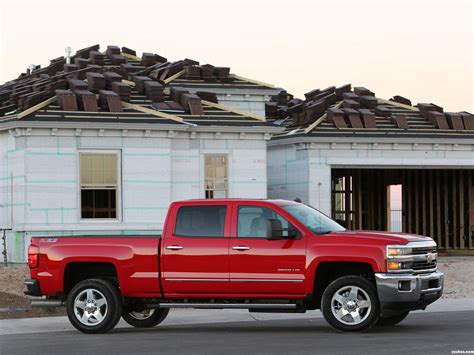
(224,108)
(319,120)
(173,77)
(153,112)
(36,107)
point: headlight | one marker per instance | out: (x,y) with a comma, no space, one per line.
(398,258)
(396,251)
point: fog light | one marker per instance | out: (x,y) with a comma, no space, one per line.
(404,285)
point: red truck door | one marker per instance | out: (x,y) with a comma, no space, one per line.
(195,250)
(261,266)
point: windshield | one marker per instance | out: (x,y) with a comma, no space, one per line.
(313,219)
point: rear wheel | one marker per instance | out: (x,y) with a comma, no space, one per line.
(385,321)
(350,304)
(94,306)
(145,318)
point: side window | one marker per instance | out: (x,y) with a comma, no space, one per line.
(200,221)
(99,185)
(252,222)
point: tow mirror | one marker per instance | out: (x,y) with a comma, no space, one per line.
(274,229)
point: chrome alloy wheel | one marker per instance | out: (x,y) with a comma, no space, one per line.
(351,305)
(90,307)
(141,315)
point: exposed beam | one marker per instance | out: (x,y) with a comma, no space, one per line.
(238,77)
(319,120)
(152,112)
(36,107)
(213,104)
(172,77)
(393,103)
(128,82)
(130,56)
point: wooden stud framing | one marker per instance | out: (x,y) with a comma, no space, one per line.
(446,209)
(431,202)
(439,208)
(423,200)
(417,205)
(454,184)
(470,192)
(409,199)
(461,209)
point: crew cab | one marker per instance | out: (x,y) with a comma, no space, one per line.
(260,255)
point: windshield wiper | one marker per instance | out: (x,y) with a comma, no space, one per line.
(323,232)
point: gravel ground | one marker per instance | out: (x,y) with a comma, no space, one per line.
(458,272)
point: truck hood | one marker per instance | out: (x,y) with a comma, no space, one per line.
(390,237)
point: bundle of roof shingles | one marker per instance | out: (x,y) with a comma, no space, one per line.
(358,108)
(92,80)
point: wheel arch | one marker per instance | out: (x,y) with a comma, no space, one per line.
(326,272)
(77,271)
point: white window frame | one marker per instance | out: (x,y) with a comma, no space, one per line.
(118,197)
(227,179)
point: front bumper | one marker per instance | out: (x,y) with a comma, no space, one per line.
(401,293)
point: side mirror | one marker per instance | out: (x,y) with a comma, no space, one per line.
(274,229)
(292,233)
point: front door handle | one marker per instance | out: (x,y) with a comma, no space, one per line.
(241,247)
(174,247)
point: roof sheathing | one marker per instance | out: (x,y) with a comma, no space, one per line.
(38,95)
(335,113)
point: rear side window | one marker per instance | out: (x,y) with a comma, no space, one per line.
(201,221)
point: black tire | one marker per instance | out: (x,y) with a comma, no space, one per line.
(369,313)
(155,317)
(392,320)
(101,292)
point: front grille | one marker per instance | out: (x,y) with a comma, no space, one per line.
(419,251)
(423,265)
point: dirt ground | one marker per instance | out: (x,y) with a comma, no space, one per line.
(458,273)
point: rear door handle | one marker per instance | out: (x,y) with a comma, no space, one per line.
(174,247)
(241,247)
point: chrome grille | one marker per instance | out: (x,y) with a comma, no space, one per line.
(420,251)
(423,265)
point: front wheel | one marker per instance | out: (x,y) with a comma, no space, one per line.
(392,320)
(350,304)
(145,318)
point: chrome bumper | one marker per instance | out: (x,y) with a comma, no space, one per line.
(400,293)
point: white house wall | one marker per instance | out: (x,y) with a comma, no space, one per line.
(155,171)
(287,173)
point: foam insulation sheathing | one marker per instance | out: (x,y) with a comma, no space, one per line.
(287,171)
(146,184)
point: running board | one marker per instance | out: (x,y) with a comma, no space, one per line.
(47,303)
(259,306)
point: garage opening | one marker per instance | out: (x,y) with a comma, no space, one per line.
(434,202)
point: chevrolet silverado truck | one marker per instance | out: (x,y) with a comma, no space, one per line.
(260,255)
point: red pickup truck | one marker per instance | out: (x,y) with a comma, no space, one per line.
(260,255)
